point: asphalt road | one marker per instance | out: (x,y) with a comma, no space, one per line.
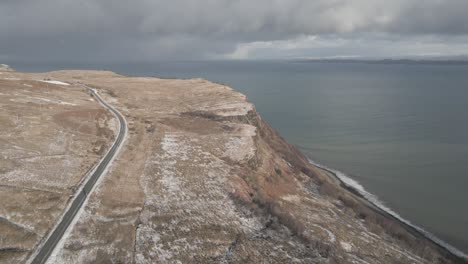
(44,252)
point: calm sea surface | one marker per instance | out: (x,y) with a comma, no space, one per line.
(401,131)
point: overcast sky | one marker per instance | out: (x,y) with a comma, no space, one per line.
(118,30)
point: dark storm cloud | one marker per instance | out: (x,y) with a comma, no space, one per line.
(119,30)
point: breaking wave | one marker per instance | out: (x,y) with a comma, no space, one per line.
(353,184)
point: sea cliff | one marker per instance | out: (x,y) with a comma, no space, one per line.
(202,178)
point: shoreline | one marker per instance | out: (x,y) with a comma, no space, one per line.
(374,204)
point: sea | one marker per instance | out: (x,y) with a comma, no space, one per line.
(395,131)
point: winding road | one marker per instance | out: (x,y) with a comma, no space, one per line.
(47,247)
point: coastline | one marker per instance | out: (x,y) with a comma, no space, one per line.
(377,206)
(272,190)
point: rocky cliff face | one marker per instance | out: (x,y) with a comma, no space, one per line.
(203,179)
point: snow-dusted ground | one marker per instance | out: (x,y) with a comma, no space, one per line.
(43,156)
(56,255)
(201,182)
(240,146)
(26,99)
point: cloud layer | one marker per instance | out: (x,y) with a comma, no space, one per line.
(196,29)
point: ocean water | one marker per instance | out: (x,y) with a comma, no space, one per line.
(400,131)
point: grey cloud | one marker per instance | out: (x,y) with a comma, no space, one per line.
(432,17)
(145,29)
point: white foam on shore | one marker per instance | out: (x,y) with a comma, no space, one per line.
(351,183)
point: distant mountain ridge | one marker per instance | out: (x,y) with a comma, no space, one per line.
(459,61)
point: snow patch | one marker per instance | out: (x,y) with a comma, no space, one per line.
(149,238)
(346,246)
(241,147)
(292,198)
(172,148)
(55,82)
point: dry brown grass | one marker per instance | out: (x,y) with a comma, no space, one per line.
(50,136)
(204,205)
